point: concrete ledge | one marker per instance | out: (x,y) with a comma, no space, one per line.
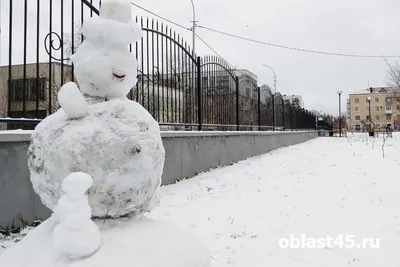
(24,136)
(15,136)
(190,153)
(187,154)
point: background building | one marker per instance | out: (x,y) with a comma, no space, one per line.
(247,84)
(219,89)
(296,100)
(266,93)
(248,96)
(383,108)
(348,112)
(221,81)
(34,97)
(166,96)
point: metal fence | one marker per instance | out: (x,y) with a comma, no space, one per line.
(181,90)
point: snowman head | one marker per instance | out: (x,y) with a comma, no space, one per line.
(119,10)
(105,73)
(104,67)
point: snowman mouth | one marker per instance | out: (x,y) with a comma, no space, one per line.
(119,76)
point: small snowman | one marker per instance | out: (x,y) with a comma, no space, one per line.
(75,235)
(98,130)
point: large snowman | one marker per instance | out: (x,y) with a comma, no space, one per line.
(100,158)
(99,131)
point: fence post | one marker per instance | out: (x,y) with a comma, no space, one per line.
(10,46)
(199,102)
(316,122)
(291,118)
(237,104)
(283,115)
(273,112)
(259,109)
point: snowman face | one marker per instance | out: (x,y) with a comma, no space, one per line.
(106,71)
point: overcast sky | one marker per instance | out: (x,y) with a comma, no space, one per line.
(368,27)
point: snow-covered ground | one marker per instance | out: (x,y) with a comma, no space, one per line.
(325,187)
(10,240)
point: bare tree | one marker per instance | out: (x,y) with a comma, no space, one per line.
(394,75)
(394,79)
(72,42)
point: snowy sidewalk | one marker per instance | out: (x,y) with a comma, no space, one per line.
(327,186)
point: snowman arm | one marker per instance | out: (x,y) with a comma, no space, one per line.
(72,101)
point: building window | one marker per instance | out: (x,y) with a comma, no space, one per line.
(377,117)
(296,102)
(357,100)
(358,128)
(377,99)
(368,118)
(388,117)
(389,108)
(377,108)
(356,109)
(357,118)
(31,89)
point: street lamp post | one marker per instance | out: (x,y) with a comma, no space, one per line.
(369,113)
(273,112)
(370,129)
(259,107)
(194,30)
(194,53)
(274,76)
(340,113)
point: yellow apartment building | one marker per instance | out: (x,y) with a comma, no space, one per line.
(376,106)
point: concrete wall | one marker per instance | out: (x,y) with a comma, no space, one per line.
(17,198)
(187,154)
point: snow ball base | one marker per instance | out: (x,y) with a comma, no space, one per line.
(118,144)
